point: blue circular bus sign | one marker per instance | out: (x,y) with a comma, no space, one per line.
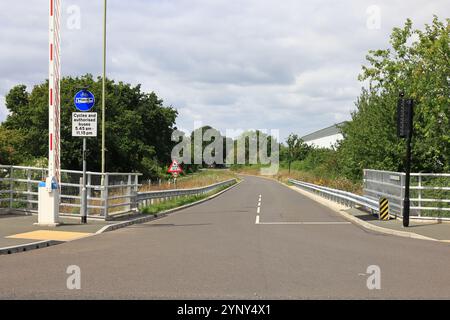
(84,100)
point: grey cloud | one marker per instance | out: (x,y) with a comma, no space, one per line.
(288,64)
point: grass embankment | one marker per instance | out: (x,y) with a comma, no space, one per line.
(194,180)
(178,202)
(323,180)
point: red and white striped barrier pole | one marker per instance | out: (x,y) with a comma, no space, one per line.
(54,90)
(48,207)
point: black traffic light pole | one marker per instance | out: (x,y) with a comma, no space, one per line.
(406,201)
(405,114)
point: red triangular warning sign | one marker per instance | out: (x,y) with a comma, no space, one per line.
(174,167)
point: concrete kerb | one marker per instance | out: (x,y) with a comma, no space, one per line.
(28,246)
(162,214)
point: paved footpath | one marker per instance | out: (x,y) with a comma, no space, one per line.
(18,230)
(291,247)
(434,230)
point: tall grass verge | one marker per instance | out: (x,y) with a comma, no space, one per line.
(178,202)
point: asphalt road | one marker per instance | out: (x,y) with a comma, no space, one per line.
(300,249)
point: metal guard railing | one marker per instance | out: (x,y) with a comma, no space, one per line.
(143,198)
(340,196)
(350,199)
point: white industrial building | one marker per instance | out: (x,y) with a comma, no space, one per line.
(324,138)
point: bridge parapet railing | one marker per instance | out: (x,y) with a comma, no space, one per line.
(436,206)
(429,192)
(340,196)
(19,191)
(117,195)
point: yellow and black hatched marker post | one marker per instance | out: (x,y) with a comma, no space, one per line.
(384,209)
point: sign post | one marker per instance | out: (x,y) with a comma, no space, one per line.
(405,115)
(83,202)
(175,175)
(84,124)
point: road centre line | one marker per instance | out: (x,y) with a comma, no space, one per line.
(258,210)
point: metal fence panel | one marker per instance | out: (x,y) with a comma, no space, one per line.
(385,184)
(19,191)
(429,192)
(370,203)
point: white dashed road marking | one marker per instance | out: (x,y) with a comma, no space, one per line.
(258,209)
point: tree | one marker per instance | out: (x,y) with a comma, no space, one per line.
(418,64)
(138,127)
(10,142)
(297,149)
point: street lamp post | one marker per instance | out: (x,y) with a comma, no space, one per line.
(103,90)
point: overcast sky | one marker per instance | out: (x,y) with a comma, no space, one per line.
(249,64)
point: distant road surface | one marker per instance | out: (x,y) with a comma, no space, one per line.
(299,249)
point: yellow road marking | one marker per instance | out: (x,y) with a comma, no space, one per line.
(50,235)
